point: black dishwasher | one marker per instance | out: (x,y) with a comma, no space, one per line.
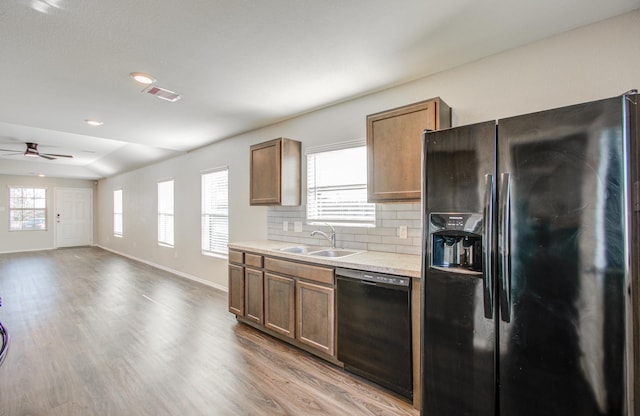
(374,328)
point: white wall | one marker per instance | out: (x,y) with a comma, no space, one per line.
(140,203)
(589,63)
(13,241)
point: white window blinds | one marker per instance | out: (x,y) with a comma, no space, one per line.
(337,187)
(165,213)
(215,212)
(117,213)
(27,209)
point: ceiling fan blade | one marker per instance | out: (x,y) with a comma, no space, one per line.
(32,150)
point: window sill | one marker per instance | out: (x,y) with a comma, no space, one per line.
(216,255)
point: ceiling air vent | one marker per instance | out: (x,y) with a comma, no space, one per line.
(162,93)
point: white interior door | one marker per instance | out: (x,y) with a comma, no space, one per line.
(73,217)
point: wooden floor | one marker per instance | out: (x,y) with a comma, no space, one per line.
(94,333)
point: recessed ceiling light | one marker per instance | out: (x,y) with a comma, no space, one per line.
(42,175)
(142,78)
(94,123)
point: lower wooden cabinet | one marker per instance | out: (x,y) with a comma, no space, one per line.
(290,299)
(253,295)
(315,320)
(295,302)
(279,304)
(236,289)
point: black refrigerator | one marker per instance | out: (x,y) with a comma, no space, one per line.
(530,264)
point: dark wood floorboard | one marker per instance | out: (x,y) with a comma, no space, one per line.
(94,333)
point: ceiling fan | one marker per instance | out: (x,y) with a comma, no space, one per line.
(32,151)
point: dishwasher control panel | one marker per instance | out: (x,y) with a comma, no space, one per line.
(388,279)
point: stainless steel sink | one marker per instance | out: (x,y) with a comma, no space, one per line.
(318,251)
(333,252)
(300,249)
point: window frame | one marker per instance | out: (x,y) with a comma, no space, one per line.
(206,214)
(33,208)
(118,213)
(360,189)
(166,213)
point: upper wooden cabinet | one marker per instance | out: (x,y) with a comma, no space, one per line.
(275,173)
(394,147)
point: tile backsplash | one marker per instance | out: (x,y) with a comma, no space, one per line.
(385,236)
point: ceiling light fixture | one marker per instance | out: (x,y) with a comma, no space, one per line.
(94,123)
(142,78)
(32,151)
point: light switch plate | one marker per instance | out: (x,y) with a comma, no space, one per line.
(402,232)
(297,226)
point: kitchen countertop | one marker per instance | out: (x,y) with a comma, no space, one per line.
(372,261)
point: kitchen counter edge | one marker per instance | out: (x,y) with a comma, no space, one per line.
(371,261)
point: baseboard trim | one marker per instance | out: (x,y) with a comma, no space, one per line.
(167,269)
(27,250)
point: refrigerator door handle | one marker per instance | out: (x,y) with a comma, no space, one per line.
(504,243)
(487,276)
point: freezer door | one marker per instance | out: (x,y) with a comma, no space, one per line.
(563,261)
(458,340)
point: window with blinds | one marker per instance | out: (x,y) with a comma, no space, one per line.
(337,187)
(215,212)
(165,213)
(27,209)
(117,213)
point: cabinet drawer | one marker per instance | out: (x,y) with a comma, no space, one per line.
(253,260)
(304,271)
(236,257)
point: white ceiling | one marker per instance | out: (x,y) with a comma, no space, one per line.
(238,64)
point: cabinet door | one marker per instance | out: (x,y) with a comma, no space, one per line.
(253,295)
(279,304)
(315,316)
(265,166)
(236,289)
(275,172)
(394,148)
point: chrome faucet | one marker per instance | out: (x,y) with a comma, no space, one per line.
(331,237)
